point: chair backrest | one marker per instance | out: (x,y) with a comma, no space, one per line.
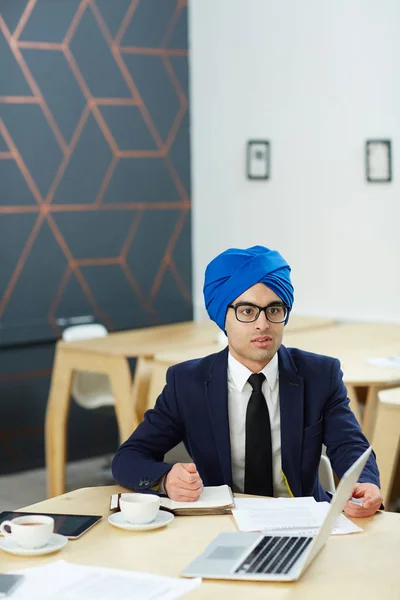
(89,390)
(84,332)
(325,474)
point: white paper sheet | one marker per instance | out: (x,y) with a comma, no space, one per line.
(342,525)
(289,515)
(389,362)
(273,517)
(66,581)
(254,503)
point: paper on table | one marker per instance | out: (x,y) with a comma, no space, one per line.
(289,515)
(342,525)
(273,517)
(254,503)
(66,581)
(390,361)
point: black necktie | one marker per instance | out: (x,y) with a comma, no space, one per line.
(258,460)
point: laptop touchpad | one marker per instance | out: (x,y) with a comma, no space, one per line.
(226,552)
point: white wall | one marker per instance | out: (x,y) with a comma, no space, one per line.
(316,78)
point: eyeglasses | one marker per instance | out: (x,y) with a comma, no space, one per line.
(247,312)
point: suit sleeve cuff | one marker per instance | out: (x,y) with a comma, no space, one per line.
(159,486)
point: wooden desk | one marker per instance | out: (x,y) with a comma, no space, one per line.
(110,355)
(363,565)
(354,344)
(386,438)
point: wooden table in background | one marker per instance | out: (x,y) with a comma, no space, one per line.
(363,565)
(110,355)
(354,344)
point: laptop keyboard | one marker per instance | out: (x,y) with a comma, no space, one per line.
(274,554)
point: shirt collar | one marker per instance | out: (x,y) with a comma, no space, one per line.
(239,374)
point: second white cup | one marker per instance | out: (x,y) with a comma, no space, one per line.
(139,508)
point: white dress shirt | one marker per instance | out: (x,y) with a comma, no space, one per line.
(239,392)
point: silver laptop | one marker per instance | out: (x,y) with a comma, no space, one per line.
(262,557)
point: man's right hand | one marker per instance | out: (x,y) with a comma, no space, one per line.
(183,483)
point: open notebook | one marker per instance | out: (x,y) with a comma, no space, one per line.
(214,500)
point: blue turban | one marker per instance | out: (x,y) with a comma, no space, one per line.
(234,271)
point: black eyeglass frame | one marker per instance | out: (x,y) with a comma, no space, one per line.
(261,308)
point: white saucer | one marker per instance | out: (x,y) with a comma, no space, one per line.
(163,518)
(55,543)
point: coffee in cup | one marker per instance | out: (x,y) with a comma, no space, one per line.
(139,508)
(30,532)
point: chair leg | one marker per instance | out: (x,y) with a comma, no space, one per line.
(371,403)
(141,385)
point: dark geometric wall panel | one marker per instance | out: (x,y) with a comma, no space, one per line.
(180,67)
(94,191)
(32,294)
(24,383)
(114,277)
(146,31)
(142,257)
(151,89)
(12,80)
(114,13)
(179,158)
(21,226)
(31,133)
(58,13)
(61,90)
(83,176)
(14,189)
(72,300)
(128,127)
(12,12)
(3,145)
(94,148)
(139,180)
(179,33)
(96,58)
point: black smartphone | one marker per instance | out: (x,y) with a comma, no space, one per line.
(8,583)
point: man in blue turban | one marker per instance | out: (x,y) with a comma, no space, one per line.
(255,415)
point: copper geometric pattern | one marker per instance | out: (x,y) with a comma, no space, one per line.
(94,164)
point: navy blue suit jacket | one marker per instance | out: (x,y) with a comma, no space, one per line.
(193,408)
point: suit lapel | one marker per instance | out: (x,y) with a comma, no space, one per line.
(291,396)
(216,390)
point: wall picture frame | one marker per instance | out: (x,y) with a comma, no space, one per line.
(258,159)
(378,160)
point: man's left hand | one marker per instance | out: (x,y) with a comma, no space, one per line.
(371,498)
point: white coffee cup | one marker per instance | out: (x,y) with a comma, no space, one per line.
(139,508)
(32,531)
